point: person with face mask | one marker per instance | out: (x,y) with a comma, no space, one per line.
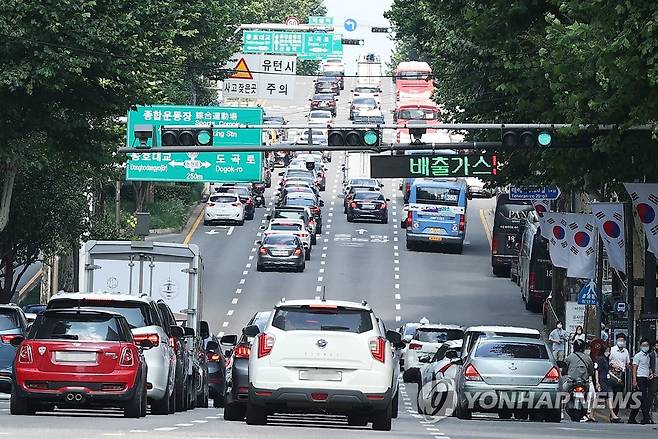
(619,362)
(602,381)
(578,335)
(641,374)
(557,337)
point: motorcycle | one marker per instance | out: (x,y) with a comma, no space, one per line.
(259,194)
(577,404)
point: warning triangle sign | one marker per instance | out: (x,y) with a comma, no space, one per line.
(241,71)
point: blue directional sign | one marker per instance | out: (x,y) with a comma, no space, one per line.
(350,25)
(588,295)
(534,193)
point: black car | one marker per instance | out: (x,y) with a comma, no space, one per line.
(216,369)
(368,205)
(12,324)
(327,85)
(281,251)
(315,205)
(184,384)
(351,190)
(237,370)
(245,192)
(336,75)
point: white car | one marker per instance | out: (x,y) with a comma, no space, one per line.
(319,137)
(323,356)
(436,374)
(426,340)
(145,322)
(291,226)
(320,117)
(367,91)
(224,207)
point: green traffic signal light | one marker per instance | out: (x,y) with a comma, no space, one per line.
(544,139)
(370,138)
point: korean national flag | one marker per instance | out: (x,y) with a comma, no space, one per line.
(609,218)
(645,203)
(542,207)
(556,233)
(581,237)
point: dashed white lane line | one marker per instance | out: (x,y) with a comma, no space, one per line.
(184,425)
(248,265)
(200,421)
(321,270)
(396,286)
(224,325)
(242,281)
(165,429)
(397,297)
(318,289)
(238,291)
(397,307)
(320,278)
(230,312)
(234,301)
(253,250)
(138,431)
(245,272)
(397,276)
(251,257)
(395,239)
(324,255)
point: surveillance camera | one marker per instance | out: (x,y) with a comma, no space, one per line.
(143,133)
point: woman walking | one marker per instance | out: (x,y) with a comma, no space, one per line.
(602,379)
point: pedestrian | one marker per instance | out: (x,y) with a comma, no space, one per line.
(578,335)
(602,380)
(604,333)
(580,368)
(619,362)
(557,337)
(641,375)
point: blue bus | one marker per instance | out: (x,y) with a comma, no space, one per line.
(437,212)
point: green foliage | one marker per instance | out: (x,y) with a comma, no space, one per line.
(551,61)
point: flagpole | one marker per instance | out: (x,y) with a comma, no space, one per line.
(630,276)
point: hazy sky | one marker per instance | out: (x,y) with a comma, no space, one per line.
(367,13)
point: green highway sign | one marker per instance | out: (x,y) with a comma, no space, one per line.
(322,21)
(156,164)
(315,44)
(337,50)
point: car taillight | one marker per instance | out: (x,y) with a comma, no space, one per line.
(304,235)
(415,346)
(265,344)
(410,218)
(353,205)
(494,246)
(173,342)
(153,338)
(462,223)
(297,252)
(553,376)
(127,358)
(211,204)
(382,206)
(8,338)
(212,356)
(25,354)
(262,251)
(378,348)
(472,374)
(315,209)
(242,351)
(532,280)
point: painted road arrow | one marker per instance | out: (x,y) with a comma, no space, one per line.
(361,231)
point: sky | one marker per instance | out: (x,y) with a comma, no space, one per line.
(367,13)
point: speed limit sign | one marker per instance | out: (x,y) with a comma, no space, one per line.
(292,21)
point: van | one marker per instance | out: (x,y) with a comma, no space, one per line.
(436,212)
(535,267)
(509,220)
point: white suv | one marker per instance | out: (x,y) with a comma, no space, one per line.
(146,324)
(316,356)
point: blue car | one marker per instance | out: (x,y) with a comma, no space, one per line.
(12,324)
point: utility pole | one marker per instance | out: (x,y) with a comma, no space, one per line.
(117,204)
(630,276)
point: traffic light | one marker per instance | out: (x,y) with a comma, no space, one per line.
(352,42)
(354,137)
(380,30)
(519,138)
(186,136)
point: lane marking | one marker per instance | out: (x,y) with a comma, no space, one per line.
(248,265)
(397,296)
(242,281)
(188,238)
(244,273)
(238,291)
(224,325)
(165,429)
(230,231)
(230,312)
(234,301)
(485,224)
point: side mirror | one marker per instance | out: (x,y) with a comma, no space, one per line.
(321,203)
(424,359)
(177,331)
(388,199)
(393,336)
(212,346)
(250,331)
(229,340)
(470,196)
(204,329)
(16,341)
(189,332)
(400,345)
(146,344)
(561,364)
(457,361)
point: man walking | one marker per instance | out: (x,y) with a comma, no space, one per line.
(641,374)
(620,361)
(557,337)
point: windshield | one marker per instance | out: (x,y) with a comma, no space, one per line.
(222,199)
(138,314)
(55,326)
(288,227)
(365,101)
(369,196)
(8,319)
(367,182)
(524,351)
(437,195)
(319,115)
(410,75)
(280,240)
(418,114)
(320,319)
(372,90)
(323,97)
(431,335)
(300,202)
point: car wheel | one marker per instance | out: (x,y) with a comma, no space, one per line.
(381,419)
(528,305)
(19,405)
(206,222)
(259,267)
(180,389)
(500,271)
(553,415)
(459,249)
(319,230)
(521,415)
(234,412)
(357,420)
(144,401)
(411,245)
(314,239)
(385,220)
(301,268)
(307,255)
(202,399)
(394,408)
(133,409)
(172,401)
(505,415)
(255,415)
(161,407)
(462,413)
(350,218)
(241,222)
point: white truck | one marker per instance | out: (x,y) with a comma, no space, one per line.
(369,70)
(169,272)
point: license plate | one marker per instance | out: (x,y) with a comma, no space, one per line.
(368,206)
(435,238)
(435,231)
(320,375)
(279,253)
(75,357)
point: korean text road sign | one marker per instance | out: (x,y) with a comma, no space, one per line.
(261,77)
(288,43)
(419,166)
(322,21)
(534,193)
(156,164)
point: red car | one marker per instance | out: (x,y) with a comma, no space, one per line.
(79,358)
